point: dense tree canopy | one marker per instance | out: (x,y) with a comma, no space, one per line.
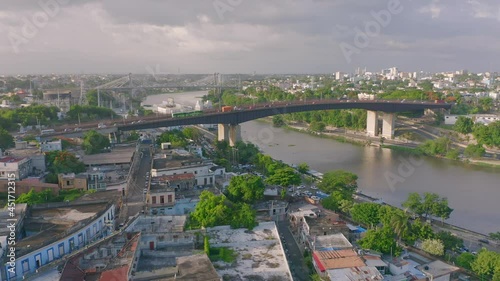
(6,139)
(430,204)
(366,213)
(284,177)
(433,247)
(474,151)
(94,142)
(215,210)
(464,125)
(488,134)
(246,188)
(381,240)
(342,181)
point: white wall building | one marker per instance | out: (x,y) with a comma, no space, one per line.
(200,169)
(20,167)
(477,118)
(47,146)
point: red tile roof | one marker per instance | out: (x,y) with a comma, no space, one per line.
(179,177)
(120,273)
(10,159)
(337,259)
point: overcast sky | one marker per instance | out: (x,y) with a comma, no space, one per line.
(243,36)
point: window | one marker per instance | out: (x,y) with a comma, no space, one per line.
(26,265)
(80,239)
(67,182)
(153,199)
(50,254)
(71,244)
(162,199)
(61,250)
(169,198)
(38,261)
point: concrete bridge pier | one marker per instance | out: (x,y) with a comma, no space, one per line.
(222,132)
(388,124)
(372,123)
(230,133)
(234,134)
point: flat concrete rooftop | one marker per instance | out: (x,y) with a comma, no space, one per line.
(118,155)
(51,224)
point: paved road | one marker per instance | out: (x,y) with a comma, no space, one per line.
(134,201)
(299,270)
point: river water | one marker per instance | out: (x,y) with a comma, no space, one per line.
(473,192)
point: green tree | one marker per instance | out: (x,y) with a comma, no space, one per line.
(495,235)
(192,133)
(419,231)
(441,209)
(211,210)
(465,260)
(278,121)
(414,204)
(381,240)
(284,177)
(246,188)
(134,135)
(317,126)
(303,168)
(400,224)
(6,139)
(206,245)
(487,265)
(333,202)
(366,213)
(464,125)
(243,216)
(474,151)
(433,247)
(342,181)
(58,162)
(450,241)
(93,142)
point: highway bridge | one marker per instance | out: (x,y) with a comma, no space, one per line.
(229,121)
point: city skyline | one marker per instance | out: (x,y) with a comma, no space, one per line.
(242,37)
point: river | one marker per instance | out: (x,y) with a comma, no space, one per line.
(472,191)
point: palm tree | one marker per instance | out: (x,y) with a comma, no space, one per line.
(400,224)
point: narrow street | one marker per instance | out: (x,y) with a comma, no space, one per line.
(299,270)
(133,203)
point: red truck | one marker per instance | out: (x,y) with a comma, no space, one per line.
(227,108)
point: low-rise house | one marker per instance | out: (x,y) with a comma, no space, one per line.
(328,260)
(177,182)
(57,230)
(47,146)
(274,210)
(327,223)
(12,167)
(114,258)
(438,271)
(196,166)
(72,181)
(355,273)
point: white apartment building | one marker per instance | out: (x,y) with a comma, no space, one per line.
(47,146)
(198,167)
(20,167)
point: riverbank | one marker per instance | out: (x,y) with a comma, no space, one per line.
(409,147)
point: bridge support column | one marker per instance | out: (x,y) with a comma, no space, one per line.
(223,132)
(372,123)
(234,134)
(388,124)
(112,138)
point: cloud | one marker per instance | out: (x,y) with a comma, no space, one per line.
(292,36)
